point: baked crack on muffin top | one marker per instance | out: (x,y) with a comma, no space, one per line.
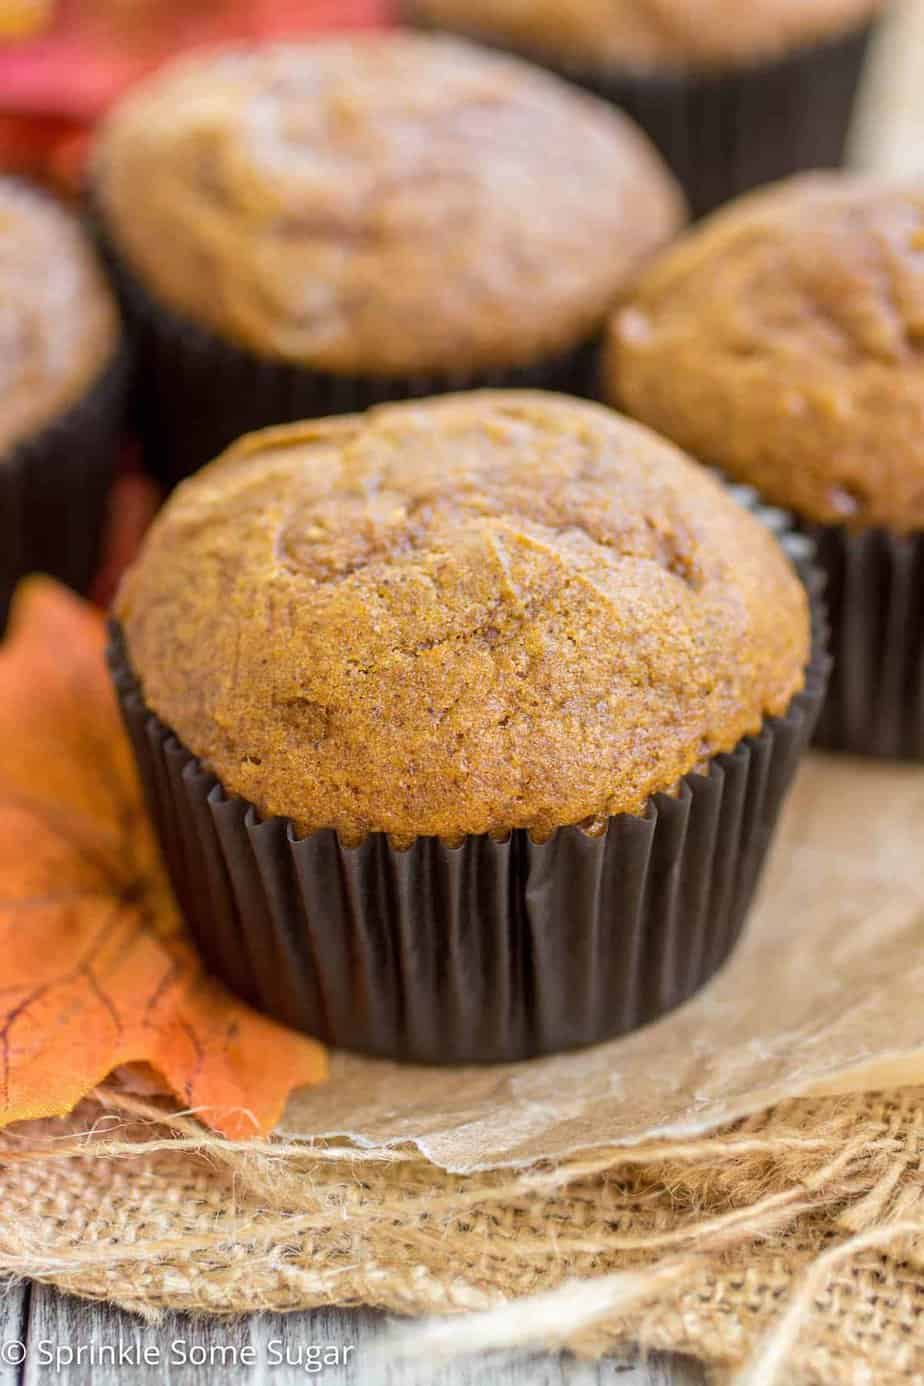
(466,615)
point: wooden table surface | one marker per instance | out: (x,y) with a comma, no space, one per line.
(41,1333)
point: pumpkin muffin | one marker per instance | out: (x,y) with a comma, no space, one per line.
(781,341)
(59,391)
(307,228)
(499,611)
(467,624)
(734,92)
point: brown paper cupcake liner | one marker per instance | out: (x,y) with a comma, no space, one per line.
(198,393)
(875,595)
(54,489)
(485,952)
(725,133)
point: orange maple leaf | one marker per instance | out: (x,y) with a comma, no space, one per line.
(95,966)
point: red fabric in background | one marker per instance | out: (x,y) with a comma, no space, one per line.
(54,86)
(94,49)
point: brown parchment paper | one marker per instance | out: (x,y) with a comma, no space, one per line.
(825,995)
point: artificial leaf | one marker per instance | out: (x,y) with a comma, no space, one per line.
(96,970)
(76,57)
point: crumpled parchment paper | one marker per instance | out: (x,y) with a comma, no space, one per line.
(825,994)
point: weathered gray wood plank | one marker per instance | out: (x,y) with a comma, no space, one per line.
(97,1345)
(289,1338)
(272,1350)
(13,1299)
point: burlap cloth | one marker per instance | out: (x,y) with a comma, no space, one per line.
(700,1204)
(794,1238)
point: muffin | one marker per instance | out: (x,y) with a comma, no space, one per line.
(781,341)
(308,229)
(734,93)
(410,689)
(61,377)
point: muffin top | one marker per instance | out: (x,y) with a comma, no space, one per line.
(783,341)
(58,322)
(649,34)
(486,611)
(385,205)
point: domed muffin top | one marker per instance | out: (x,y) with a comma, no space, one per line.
(386,204)
(784,341)
(487,611)
(645,34)
(58,322)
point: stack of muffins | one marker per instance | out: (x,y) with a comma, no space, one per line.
(465,715)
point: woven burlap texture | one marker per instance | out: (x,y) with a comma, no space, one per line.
(788,1247)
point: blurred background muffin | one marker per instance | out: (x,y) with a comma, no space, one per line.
(734,92)
(482,671)
(305,229)
(782,341)
(61,392)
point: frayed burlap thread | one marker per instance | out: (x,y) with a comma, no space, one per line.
(788,1248)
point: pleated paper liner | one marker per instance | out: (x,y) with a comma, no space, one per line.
(196,393)
(489,951)
(54,488)
(875,594)
(725,133)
